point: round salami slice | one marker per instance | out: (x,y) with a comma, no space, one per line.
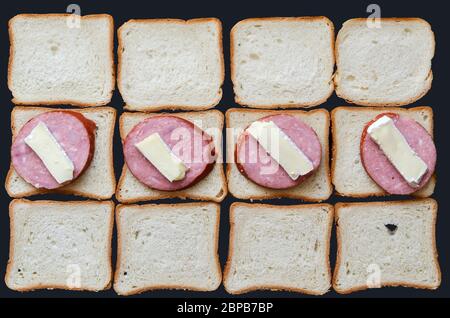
(74,133)
(381,170)
(258,166)
(189,143)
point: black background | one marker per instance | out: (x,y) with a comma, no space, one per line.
(229,13)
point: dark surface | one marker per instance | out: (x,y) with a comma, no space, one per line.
(230,13)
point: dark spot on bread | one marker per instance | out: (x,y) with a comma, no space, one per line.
(392,228)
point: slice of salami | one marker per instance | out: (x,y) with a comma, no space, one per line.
(381,170)
(193,146)
(258,166)
(75,134)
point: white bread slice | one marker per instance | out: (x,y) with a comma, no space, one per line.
(282,62)
(97,181)
(316,188)
(170,64)
(385,66)
(63,245)
(167,246)
(279,248)
(347,172)
(212,187)
(386,244)
(54,62)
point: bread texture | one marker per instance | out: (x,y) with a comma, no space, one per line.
(60,245)
(212,187)
(347,171)
(279,248)
(170,64)
(385,66)
(55,61)
(97,181)
(316,188)
(386,244)
(282,62)
(167,246)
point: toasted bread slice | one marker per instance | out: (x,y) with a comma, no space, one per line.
(282,62)
(315,188)
(61,59)
(97,181)
(347,172)
(62,245)
(211,188)
(388,65)
(170,64)
(279,248)
(167,246)
(386,244)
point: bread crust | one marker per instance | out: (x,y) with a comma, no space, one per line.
(279,208)
(381,104)
(50,202)
(390,283)
(159,287)
(65,101)
(334,138)
(150,108)
(183,193)
(281,106)
(288,194)
(62,190)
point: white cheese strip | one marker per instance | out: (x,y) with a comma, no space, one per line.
(155,150)
(47,148)
(394,145)
(281,148)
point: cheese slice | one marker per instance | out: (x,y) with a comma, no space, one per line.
(47,148)
(155,150)
(281,148)
(394,145)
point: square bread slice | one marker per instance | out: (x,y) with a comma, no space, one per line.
(213,187)
(347,172)
(170,63)
(389,65)
(282,62)
(61,59)
(386,244)
(97,181)
(316,188)
(167,246)
(279,248)
(62,245)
